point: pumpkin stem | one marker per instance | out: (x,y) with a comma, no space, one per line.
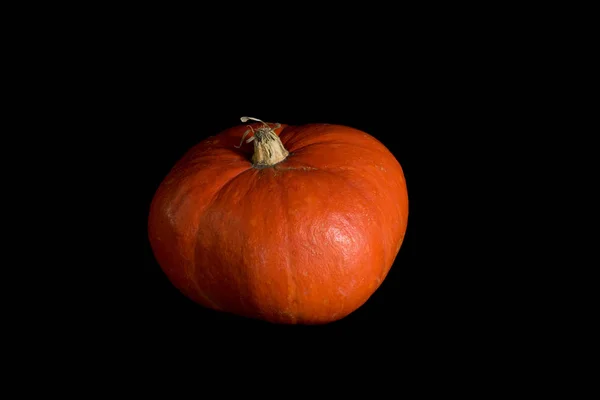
(268,149)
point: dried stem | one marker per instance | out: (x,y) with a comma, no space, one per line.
(268,149)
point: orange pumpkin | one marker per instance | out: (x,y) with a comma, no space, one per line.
(299,227)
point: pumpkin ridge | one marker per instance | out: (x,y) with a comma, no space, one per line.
(292,283)
(192,274)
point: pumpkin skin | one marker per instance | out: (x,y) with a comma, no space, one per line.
(305,241)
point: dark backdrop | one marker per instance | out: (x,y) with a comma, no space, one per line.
(152,105)
(157,119)
(124,104)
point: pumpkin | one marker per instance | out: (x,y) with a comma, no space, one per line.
(287,224)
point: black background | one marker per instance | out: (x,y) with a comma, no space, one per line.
(178,124)
(124,95)
(143,104)
(156,117)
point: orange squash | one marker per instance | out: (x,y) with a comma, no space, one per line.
(296,225)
